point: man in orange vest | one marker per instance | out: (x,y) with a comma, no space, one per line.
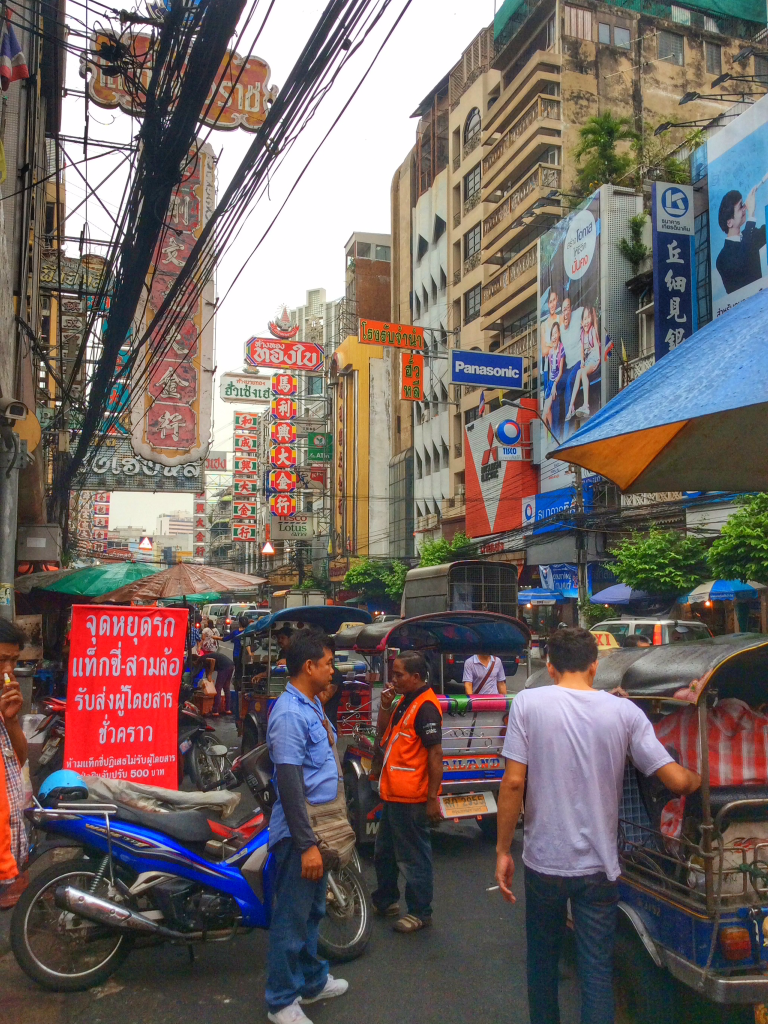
(14,877)
(410,739)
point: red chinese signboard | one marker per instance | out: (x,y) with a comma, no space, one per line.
(246,466)
(245,532)
(242,487)
(283,355)
(412,377)
(282,504)
(283,456)
(282,480)
(285,384)
(122,710)
(246,423)
(245,443)
(244,510)
(282,433)
(284,408)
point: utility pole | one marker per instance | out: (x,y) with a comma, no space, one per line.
(581,545)
(11,461)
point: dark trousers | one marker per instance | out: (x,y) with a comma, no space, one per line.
(593,906)
(403,846)
(293,966)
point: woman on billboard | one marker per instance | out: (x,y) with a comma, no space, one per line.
(554,361)
(589,367)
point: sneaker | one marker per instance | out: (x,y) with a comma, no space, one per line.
(292,1014)
(333,987)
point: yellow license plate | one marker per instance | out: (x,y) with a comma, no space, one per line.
(467,805)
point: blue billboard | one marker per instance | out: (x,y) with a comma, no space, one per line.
(486,368)
(674,282)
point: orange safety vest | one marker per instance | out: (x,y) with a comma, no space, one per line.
(8,866)
(404,775)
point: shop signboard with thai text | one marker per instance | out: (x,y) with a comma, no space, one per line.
(242,387)
(124,674)
(319,447)
(272,353)
(115,466)
(378,332)
(412,377)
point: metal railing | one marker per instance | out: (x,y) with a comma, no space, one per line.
(471,203)
(634,368)
(542,176)
(541,107)
(525,261)
(457,219)
(457,276)
(471,146)
(472,262)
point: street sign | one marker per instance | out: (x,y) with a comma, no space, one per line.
(301,526)
(283,433)
(283,456)
(412,377)
(486,368)
(319,447)
(376,332)
(305,427)
(282,480)
(243,487)
(282,505)
(244,510)
(285,384)
(245,387)
(246,531)
(283,355)
(284,408)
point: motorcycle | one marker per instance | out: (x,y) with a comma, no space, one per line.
(52,743)
(161,877)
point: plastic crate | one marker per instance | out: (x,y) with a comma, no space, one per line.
(203,702)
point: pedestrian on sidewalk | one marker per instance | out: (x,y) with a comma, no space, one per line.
(301,747)
(410,763)
(572,742)
(14,877)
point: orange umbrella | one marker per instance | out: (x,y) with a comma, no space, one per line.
(183,580)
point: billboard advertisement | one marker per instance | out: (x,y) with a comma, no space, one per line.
(570,339)
(486,368)
(495,480)
(737,169)
(674,283)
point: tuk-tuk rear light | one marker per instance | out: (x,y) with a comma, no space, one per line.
(657,637)
(735,943)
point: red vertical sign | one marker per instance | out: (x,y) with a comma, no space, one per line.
(125,669)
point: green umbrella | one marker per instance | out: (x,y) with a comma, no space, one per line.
(207,598)
(89,581)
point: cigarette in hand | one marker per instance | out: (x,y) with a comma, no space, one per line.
(6,680)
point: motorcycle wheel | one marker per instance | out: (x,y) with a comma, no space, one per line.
(345,931)
(206,770)
(59,950)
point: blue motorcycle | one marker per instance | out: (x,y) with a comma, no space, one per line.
(139,876)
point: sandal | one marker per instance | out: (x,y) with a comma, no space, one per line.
(393,910)
(411,923)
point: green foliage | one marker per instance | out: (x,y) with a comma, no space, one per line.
(376,579)
(437,552)
(599,137)
(593,613)
(663,564)
(633,249)
(741,550)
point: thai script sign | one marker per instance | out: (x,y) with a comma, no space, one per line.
(377,332)
(283,355)
(114,466)
(216,462)
(238,98)
(171,420)
(69,274)
(412,377)
(245,388)
(124,674)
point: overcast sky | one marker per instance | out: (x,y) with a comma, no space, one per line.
(346,188)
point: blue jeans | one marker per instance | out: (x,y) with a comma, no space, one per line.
(293,966)
(403,845)
(594,908)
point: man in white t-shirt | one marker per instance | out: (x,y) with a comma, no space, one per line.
(572,742)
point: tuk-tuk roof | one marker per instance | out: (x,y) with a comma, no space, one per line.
(448,632)
(666,670)
(324,616)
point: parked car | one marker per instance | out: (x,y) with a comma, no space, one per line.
(658,631)
(224,615)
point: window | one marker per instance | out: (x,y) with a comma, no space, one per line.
(671,48)
(422,247)
(622,38)
(383,253)
(472,304)
(472,126)
(604,33)
(472,183)
(713,54)
(419,470)
(439,229)
(578,22)
(363,250)
(314,385)
(551,155)
(427,464)
(710,24)
(472,242)
(680,15)
(424,298)
(417,311)
(434,289)
(443,281)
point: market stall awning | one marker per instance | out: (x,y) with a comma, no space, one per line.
(618,594)
(183,580)
(89,581)
(694,421)
(723,590)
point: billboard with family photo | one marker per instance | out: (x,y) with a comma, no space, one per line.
(737,168)
(570,345)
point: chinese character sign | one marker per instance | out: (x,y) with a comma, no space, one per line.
(285,384)
(282,505)
(246,423)
(124,675)
(245,531)
(283,456)
(412,376)
(673,279)
(282,480)
(282,433)
(284,409)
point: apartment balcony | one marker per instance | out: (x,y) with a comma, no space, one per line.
(453,508)
(634,368)
(519,203)
(471,203)
(544,66)
(515,283)
(457,219)
(543,108)
(471,146)
(457,276)
(472,262)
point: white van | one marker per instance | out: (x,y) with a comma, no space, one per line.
(657,631)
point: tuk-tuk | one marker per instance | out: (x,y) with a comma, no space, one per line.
(473,727)
(260,651)
(694,882)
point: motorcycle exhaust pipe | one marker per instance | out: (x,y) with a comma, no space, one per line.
(113,915)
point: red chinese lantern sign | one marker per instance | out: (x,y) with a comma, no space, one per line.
(243,487)
(124,674)
(282,504)
(284,409)
(244,510)
(282,480)
(283,456)
(282,433)
(412,376)
(285,385)
(245,532)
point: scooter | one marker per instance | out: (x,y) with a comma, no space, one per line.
(52,731)
(160,877)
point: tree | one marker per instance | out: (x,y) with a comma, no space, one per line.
(437,552)
(599,136)
(741,550)
(663,564)
(633,249)
(377,579)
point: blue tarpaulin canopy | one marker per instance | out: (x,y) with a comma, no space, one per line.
(695,421)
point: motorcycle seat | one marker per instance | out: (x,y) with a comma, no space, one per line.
(184,826)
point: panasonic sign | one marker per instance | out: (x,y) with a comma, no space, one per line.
(486,368)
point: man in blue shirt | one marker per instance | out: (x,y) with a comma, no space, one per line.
(301,747)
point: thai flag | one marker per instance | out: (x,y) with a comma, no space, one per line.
(13,63)
(481,407)
(608,346)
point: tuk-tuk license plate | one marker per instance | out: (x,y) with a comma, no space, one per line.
(467,805)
